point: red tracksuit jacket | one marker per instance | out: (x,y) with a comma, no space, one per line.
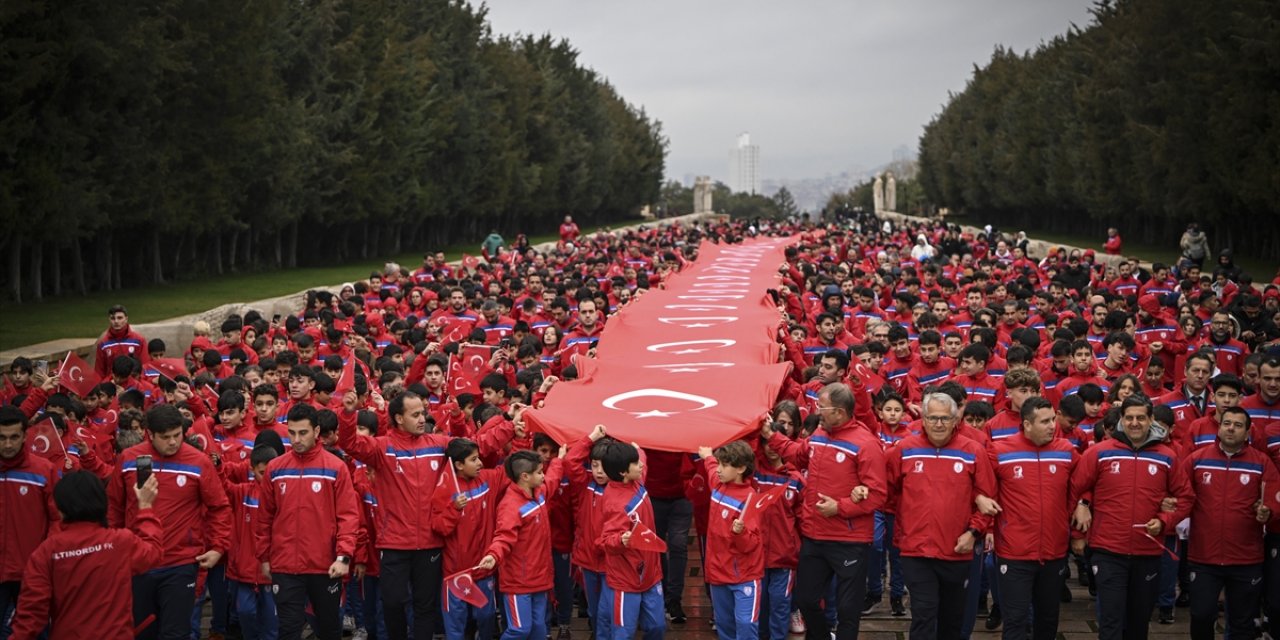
(588,504)
(731,558)
(242,559)
(1224,489)
(934,489)
(837,461)
(406,471)
(191,501)
(522,539)
(309,514)
(26,510)
(1035,494)
(113,345)
(467,533)
(778,523)
(1126,484)
(80,577)
(627,569)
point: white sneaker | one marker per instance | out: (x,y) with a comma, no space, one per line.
(797,622)
(360,634)
(348,624)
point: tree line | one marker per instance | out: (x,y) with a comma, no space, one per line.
(148,140)
(1157,114)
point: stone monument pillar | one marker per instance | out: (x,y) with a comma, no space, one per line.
(877,194)
(890,193)
(702,189)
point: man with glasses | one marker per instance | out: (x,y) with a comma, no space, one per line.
(934,477)
(844,487)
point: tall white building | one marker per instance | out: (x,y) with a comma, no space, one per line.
(744,166)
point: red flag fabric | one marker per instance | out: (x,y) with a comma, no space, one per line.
(200,433)
(644,539)
(470,262)
(76,375)
(468,368)
(347,380)
(763,499)
(170,368)
(693,364)
(44,441)
(462,585)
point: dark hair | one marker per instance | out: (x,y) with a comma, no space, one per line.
(839,355)
(326,421)
(976,351)
(617,459)
(262,454)
(1137,400)
(978,408)
(459,449)
(1227,380)
(302,411)
(1237,410)
(1030,405)
(81,497)
(1090,392)
(266,390)
(368,420)
(737,454)
(11,415)
(520,463)
(230,400)
(164,418)
(1072,406)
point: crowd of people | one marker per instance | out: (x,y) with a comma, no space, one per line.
(963,426)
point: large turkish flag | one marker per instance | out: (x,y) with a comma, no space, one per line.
(694,364)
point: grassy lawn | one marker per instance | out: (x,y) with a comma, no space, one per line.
(1261,270)
(73,316)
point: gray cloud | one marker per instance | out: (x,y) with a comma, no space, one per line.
(823,86)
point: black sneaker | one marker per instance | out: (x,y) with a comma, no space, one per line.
(994,619)
(871,603)
(677,613)
(1166,615)
(895,606)
(564,633)
(1183,601)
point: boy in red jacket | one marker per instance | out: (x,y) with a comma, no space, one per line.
(632,578)
(734,563)
(781,545)
(462,512)
(250,590)
(522,542)
(587,482)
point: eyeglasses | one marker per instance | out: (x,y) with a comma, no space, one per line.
(938,419)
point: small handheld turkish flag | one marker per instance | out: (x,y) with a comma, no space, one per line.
(76,374)
(761,501)
(644,539)
(170,368)
(346,381)
(44,441)
(462,585)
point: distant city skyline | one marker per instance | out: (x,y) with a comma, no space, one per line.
(825,87)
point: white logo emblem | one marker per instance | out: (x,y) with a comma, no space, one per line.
(1053,468)
(22,490)
(724,513)
(919,466)
(1193,576)
(959,466)
(1206,478)
(840,457)
(182,481)
(275,589)
(1115,467)
(1244,478)
(746,591)
(315,487)
(1004,568)
(282,488)
(1095,569)
(1017,472)
(1151,469)
(435,465)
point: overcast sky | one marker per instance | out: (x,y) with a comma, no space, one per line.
(822,86)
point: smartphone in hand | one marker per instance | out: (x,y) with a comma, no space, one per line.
(144,469)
